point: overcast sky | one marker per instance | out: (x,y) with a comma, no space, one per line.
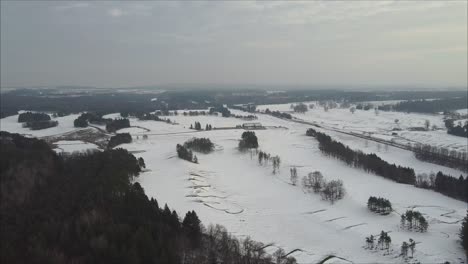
(121,44)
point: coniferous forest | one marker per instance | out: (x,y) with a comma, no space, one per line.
(86,208)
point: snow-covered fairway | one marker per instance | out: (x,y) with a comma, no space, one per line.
(229,187)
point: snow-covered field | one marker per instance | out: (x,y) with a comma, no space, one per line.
(380,125)
(71,146)
(65,125)
(230,188)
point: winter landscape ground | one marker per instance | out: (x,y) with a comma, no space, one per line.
(230,187)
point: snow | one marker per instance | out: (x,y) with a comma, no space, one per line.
(65,125)
(229,187)
(462,111)
(70,146)
(381,125)
(133,130)
(112,116)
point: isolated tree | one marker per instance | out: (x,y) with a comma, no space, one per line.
(316,181)
(352,110)
(300,108)
(276,161)
(195,159)
(427,124)
(249,140)
(404,249)
(412,246)
(293,177)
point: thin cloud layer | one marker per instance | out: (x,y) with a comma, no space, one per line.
(348,43)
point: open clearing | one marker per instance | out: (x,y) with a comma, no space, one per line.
(230,188)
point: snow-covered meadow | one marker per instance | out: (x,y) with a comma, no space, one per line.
(229,187)
(390,125)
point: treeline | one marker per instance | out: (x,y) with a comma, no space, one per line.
(278,114)
(86,209)
(428,106)
(453,187)
(32,117)
(442,156)
(460,130)
(120,138)
(151,116)
(379,205)
(369,162)
(197,126)
(203,145)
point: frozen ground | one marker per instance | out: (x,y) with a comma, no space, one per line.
(230,188)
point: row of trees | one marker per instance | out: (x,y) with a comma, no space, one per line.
(442,156)
(379,205)
(329,191)
(265,158)
(197,126)
(32,117)
(203,145)
(278,114)
(186,154)
(368,162)
(414,221)
(151,116)
(250,108)
(453,187)
(120,138)
(86,208)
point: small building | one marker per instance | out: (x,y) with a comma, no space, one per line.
(252,126)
